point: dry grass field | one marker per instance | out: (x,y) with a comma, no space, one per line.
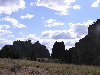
(26,67)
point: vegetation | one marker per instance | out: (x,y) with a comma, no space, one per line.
(16,54)
(26,67)
(31,55)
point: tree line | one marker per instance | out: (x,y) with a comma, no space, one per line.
(5,52)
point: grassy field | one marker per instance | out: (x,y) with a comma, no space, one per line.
(26,67)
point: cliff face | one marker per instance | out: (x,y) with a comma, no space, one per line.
(26,46)
(86,51)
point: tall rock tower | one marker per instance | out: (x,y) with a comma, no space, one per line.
(58,50)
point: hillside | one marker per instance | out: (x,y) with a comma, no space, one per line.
(26,67)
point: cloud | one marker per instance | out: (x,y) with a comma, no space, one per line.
(4,26)
(63,13)
(27,16)
(80,29)
(20,33)
(2,32)
(76,7)
(61,6)
(32,3)
(52,22)
(13,21)
(33,37)
(42,18)
(22,39)
(96,3)
(9,6)
(5,42)
(56,34)
(11,36)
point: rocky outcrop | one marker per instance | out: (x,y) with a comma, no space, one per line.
(40,50)
(58,50)
(26,46)
(86,51)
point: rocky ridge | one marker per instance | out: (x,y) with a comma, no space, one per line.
(25,46)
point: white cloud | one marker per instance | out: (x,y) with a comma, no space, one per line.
(76,7)
(27,16)
(33,37)
(22,39)
(30,37)
(42,18)
(57,34)
(13,21)
(59,5)
(11,36)
(19,26)
(96,3)
(32,3)
(4,26)
(20,33)
(5,42)
(2,32)
(65,12)
(52,22)
(80,29)
(9,6)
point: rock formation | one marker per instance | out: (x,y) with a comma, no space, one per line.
(86,51)
(40,50)
(58,50)
(27,46)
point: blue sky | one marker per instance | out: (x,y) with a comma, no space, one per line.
(46,21)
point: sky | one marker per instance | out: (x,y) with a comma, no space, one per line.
(46,21)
